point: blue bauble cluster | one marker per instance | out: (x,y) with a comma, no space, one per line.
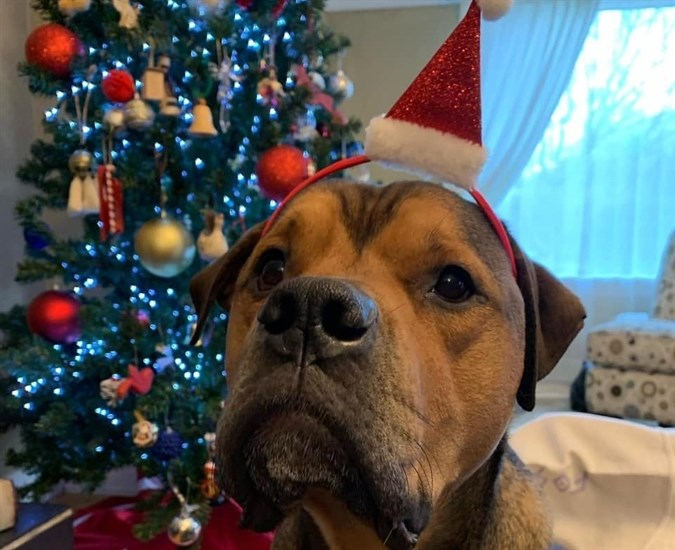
(169,445)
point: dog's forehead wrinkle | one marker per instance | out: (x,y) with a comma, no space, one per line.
(365,210)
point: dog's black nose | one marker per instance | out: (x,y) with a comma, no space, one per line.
(309,317)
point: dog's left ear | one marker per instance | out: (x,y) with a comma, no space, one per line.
(216,281)
(553,317)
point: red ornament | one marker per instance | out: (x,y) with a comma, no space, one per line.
(118,86)
(55,316)
(53,48)
(112,202)
(280,169)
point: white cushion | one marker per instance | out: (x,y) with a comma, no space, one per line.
(609,483)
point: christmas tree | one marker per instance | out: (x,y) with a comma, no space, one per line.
(176,125)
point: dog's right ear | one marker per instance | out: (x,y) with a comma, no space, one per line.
(216,281)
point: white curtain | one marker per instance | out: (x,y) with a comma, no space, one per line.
(597,198)
(527,58)
(592,199)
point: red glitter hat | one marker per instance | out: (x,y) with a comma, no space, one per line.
(434,129)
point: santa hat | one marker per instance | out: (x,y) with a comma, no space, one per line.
(434,129)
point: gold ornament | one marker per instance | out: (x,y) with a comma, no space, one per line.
(202,121)
(165,247)
(169,107)
(144,433)
(73,7)
(153,84)
(138,115)
(184,529)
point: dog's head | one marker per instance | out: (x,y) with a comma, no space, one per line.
(377,343)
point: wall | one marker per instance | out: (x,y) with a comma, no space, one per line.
(19,119)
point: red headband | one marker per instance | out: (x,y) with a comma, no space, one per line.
(344,164)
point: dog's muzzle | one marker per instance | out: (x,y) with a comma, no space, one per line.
(297,419)
(309,319)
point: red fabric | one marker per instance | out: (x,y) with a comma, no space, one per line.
(107,526)
(138,381)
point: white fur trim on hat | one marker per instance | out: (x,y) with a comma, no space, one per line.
(425,151)
(491,10)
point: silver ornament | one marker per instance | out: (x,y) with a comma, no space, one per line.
(341,85)
(81,162)
(317,79)
(138,115)
(306,127)
(113,119)
(184,529)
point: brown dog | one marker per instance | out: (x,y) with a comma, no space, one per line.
(377,343)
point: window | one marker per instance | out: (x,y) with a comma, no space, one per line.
(597,199)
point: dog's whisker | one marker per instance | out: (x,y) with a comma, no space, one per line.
(394,309)
(426,456)
(391,532)
(413,409)
(419,476)
(415,446)
(428,476)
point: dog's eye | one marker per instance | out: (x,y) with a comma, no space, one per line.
(271,269)
(454,284)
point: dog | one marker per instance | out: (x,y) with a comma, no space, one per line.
(377,344)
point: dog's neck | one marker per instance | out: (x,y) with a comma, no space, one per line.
(341,530)
(493,508)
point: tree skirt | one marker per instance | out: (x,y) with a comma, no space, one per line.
(107,525)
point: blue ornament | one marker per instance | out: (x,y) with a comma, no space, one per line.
(37,237)
(169,445)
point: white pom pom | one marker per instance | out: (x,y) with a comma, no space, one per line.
(494,9)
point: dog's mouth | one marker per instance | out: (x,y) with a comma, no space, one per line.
(292,450)
(286,449)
